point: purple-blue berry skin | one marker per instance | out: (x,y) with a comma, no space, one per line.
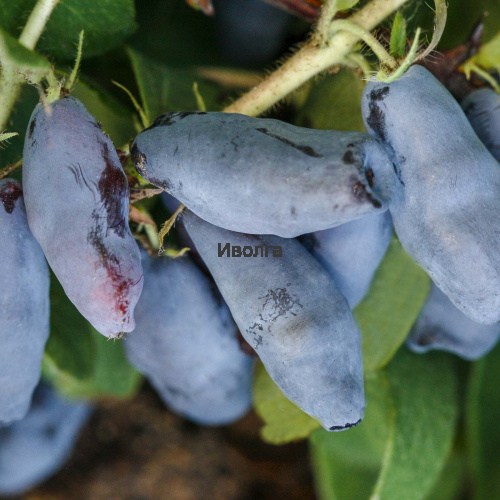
(352,252)
(36,447)
(482,108)
(77,200)
(291,312)
(250,32)
(186,344)
(263,176)
(446,204)
(442,327)
(24,305)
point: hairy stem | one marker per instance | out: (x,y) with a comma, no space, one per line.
(36,23)
(311,60)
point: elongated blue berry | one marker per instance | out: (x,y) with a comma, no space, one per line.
(24,305)
(441,326)
(77,202)
(352,252)
(482,108)
(186,344)
(37,446)
(291,312)
(446,202)
(263,176)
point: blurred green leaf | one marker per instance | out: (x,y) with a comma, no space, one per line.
(483,431)
(425,395)
(387,313)
(488,56)
(401,447)
(70,347)
(346,464)
(176,35)
(346,4)
(79,361)
(283,421)
(107,23)
(449,484)
(398,36)
(463,15)
(334,103)
(24,62)
(113,376)
(168,89)
(14,13)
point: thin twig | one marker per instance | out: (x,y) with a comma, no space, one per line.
(10,168)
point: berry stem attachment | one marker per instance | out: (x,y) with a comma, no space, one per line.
(407,62)
(378,49)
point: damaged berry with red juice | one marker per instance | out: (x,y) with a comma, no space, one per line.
(77,200)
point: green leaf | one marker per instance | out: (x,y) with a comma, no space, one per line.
(283,421)
(334,103)
(79,361)
(483,432)
(425,397)
(168,89)
(387,313)
(450,483)
(346,464)
(14,13)
(107,23)
(398,36)
(401,447)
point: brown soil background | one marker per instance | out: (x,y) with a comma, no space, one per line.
(138,450)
